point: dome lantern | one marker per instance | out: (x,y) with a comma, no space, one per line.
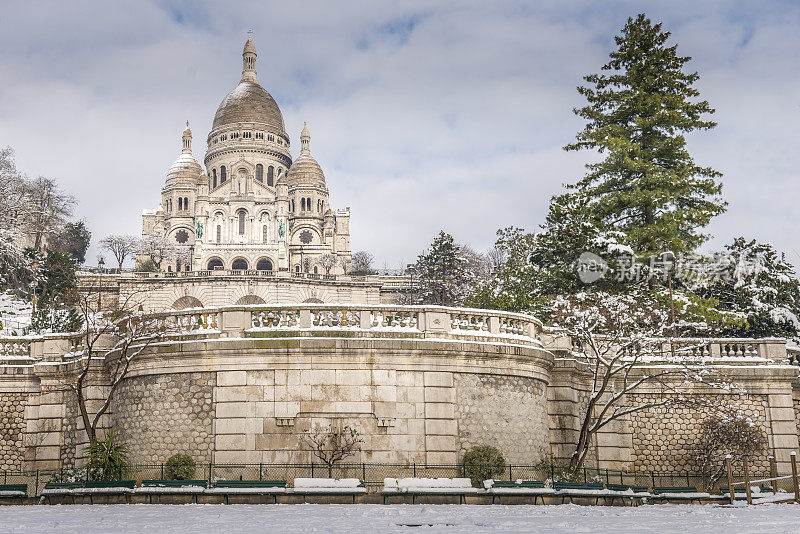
(305,140)
(249,60)
(187,140)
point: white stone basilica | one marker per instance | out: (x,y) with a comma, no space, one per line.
(253,208)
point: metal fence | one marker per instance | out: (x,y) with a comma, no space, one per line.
(373,474)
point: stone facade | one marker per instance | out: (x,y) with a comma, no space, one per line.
(12,426)
(503,411)
(160,415)
(665,438)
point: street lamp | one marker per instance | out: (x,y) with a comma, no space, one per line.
(100,265)
(35,273)
(668,260)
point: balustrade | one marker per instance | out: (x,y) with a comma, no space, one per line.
(15,347)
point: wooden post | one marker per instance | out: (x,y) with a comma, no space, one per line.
(773,473)
(794,477)
(747,480)
(730,478)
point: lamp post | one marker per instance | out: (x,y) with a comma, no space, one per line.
(668,260)
(35,282)
(100,267)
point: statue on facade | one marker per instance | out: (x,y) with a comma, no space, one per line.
(199,231)
(281,229)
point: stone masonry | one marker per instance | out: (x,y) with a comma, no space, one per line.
(12,424)
(160,415)
(502,411)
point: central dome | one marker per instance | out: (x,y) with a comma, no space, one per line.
(249,102)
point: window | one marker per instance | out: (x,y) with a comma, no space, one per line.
(316,271)
(302,204)
(292,205)
(264,265)
(280,141)
(224,137)
(219,236)
(180,203)
(214,183)
(182,236)
(270,137)
(247,135)
(260,173)
(297,268)
(306,237)
(215,263)
(241,214)
(239,264)
(259,135)
(308,204)
(186,203)
(223,174)
(264,235)
(270,173)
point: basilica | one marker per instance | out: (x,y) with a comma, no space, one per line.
(254,208)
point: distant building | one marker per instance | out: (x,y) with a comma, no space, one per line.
(253,208)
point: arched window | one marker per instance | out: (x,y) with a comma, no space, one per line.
(241,214)
(292,204)
(302,204)
(223,174)
(186,203)
(260,173)
(215,263)
(264,265)
(239,264)
(214,182)
(270,174)
(180,202)
(219,234)
(308,204)
(316,271)
(297,268)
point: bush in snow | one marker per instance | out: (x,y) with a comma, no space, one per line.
(482,463)
(180,466)
(722,434)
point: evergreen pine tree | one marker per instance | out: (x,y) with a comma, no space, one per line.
(442,273)
(647,184)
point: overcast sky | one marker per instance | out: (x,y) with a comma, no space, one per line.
(424,115)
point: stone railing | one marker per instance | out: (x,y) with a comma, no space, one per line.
(773,349)
(422,321)
(26,350)
(398,282)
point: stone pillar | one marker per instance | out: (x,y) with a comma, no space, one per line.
(440,426)
(234,323)
(783,434)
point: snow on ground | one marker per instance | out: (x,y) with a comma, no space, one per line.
(197,519)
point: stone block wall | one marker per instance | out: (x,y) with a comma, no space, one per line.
(507,412)
(12,426)
(160,415)
(665,438)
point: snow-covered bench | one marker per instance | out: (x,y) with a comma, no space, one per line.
(460,487)
(171,487)
(59,489)
(625,492)
(521,488)
(328,486)
(119,488)
(248,487)
(583,490)
(679,493)
(14,491)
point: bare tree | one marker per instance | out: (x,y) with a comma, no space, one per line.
(332,444)
(722,434)
(616,339)
(12,192)
(47,209)
(157,249)
(111,340)
(362,263)
(121,246)
(328,262)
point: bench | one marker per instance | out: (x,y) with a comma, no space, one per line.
(520,488)
(679,493)
(171,487)
(105,487)
(624,491)
(457,487)
(14,491)
(53,489)
(248,487)
(570,490)
(328,486)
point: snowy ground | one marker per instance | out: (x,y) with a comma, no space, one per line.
(353,519)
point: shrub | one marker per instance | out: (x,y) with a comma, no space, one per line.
(180,467)
(482,463)
(108,460)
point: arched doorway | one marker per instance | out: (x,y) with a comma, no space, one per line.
(264,264)
(239,264)
(250,299)
(215,263)
(187,302)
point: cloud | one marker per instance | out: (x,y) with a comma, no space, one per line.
(424,116)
